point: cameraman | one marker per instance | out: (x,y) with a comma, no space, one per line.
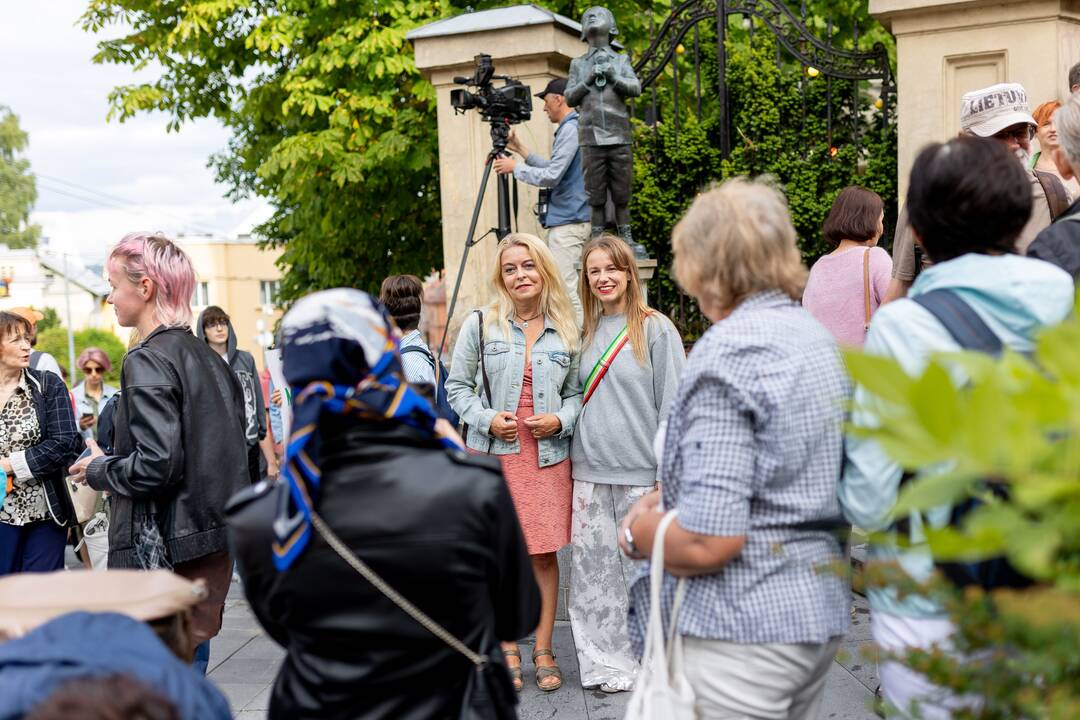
(568,213)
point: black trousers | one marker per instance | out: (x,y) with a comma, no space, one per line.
(255,463)
(608,167)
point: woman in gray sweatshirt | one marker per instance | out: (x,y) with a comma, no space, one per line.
(630,364)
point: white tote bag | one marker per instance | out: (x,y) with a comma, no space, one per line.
(662,690)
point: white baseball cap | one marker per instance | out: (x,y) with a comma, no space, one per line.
(990,110)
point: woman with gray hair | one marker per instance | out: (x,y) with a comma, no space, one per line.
(749,459)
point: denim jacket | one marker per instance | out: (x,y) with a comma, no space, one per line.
(556,388)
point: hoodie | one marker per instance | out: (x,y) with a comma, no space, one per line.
(243,366)
(1016,297)
(85,645)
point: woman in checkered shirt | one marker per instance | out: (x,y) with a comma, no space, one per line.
(750,459)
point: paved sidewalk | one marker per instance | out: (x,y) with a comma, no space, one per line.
(244,661)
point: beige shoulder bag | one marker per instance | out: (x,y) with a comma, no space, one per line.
(866,288)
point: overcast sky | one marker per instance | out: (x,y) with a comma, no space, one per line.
(98,180)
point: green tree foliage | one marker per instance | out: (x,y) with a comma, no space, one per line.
(330,121)
(54,341)
(51,320)
(18,191)
(1018,421)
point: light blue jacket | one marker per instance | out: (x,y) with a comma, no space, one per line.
(1016,297)
(556,388)
(86,406)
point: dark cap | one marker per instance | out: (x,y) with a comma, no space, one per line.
(555,87)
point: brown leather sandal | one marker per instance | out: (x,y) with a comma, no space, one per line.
(515,672)
(543,673)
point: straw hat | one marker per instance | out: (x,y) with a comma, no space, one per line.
(30,315)
(32,599)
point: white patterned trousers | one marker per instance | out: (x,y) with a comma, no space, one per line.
(600,577)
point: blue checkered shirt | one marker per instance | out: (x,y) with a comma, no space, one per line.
(417,367)
(753,448)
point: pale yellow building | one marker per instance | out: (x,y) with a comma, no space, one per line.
(243,280)
(945,48)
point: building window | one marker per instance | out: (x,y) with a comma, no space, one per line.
(201,296)
(269,291)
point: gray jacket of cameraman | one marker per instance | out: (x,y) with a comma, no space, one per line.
(562,173)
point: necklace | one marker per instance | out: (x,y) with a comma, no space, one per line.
(525,321)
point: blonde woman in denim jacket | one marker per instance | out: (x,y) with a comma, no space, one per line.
(530,353)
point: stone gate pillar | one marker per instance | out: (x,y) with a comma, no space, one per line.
(529,43)
(945,48)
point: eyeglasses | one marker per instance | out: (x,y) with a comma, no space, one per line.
(94,370)
(215,324)
(1017,132)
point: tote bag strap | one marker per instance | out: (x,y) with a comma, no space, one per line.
(654,636)
(483,368)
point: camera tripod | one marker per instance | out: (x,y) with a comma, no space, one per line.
(500,133)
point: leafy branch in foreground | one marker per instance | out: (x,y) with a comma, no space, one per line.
(1016,420)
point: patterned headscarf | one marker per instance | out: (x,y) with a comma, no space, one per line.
(340,356)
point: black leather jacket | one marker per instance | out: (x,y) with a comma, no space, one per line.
(439,527)
(179,446)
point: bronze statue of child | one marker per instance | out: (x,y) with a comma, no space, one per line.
(600,82)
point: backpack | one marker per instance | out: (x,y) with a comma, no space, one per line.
(971,333)
(1057,197)
(442,404)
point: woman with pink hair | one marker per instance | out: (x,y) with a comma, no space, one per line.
(93,392)
(179,451)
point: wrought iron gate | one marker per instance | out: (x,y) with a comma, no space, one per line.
(706,26)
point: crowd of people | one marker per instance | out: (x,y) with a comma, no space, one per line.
(402,540)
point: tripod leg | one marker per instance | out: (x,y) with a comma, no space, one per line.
(469,242)
(503,228)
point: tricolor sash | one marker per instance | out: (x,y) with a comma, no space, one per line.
(604,363)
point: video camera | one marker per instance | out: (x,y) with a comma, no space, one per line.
(509,104)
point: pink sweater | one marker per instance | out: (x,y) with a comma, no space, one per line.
(834,292)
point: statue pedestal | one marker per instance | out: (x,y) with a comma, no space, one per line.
(945,48)
(646,269)
(531,44)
